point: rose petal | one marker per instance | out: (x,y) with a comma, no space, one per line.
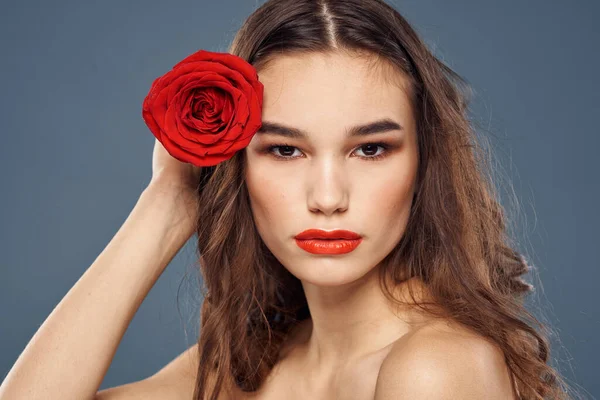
(235,78)
(206,108)
(198,136)
(166,95)
(231,61)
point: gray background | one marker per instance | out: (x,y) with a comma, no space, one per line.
(75,152)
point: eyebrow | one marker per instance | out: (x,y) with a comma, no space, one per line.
(379,126)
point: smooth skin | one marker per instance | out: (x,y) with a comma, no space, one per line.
(356,346)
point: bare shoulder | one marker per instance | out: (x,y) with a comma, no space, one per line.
(175,381)
(444,361)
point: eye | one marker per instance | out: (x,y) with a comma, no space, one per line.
(287,151)
(372,148)
(284,149)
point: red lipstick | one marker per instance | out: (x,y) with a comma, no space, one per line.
(318,241)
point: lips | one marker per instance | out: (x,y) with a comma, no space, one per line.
(318,241)
(327,235)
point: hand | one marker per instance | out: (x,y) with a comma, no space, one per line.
(175,183)
(170,173)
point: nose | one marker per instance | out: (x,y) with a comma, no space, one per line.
(327,188)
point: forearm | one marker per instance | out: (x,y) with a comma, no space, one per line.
(71,352)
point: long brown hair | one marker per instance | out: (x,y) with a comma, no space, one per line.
(456,239)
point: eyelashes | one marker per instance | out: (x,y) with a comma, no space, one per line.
(372,147)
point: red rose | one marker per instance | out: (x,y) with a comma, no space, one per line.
(206,108)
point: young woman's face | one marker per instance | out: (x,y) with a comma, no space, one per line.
(326,178)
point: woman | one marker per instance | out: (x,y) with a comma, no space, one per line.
(354,249)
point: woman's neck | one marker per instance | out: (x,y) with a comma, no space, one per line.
(350,323)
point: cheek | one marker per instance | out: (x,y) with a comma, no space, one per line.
(395,199)
(269,198)
(389,209)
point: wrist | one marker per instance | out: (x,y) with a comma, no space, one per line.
(177,205)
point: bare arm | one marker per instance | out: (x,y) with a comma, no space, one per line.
(175,381)
(69,355)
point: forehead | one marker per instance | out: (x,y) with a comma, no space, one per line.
(304,88)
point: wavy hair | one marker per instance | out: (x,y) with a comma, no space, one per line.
(456,239)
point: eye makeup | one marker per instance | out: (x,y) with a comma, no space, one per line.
(371,146)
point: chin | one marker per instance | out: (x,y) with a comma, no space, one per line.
(328,271)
